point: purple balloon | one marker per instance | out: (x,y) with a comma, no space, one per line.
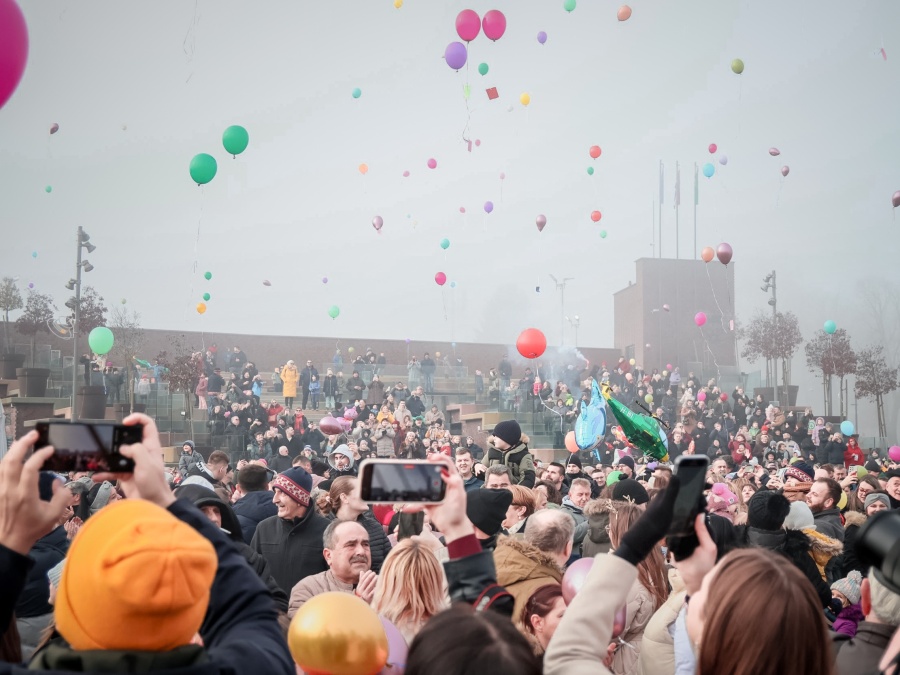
(324,280)
(456,55)
(30,284)
(488,207)
(895,199)
(542,37)
(397,649)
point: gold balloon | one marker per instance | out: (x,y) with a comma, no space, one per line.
(338,634)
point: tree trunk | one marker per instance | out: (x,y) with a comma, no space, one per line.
(32,350)
(6,333)
(879,408)
(828,397)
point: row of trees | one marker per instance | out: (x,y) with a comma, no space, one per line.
(38,316)
(776,338)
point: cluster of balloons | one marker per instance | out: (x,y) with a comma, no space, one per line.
(201,306)
(723,252)
(101,340)
(468,26)
(531,343)
(203,166)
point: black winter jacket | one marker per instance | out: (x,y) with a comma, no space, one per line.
(47,552)
(252,509)
(293,548)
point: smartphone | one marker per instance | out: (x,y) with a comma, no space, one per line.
(87,446)
(691,472)
(393,481)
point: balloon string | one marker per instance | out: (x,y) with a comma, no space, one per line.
(190,39)
(711,353)
(713,289)
(467,90)
(196,251)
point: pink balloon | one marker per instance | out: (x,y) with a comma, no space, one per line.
(440,278)
(397,649)
(462,209)
(494,24)
(468,25)
(666,308)
(668,366)
(785,170)
(724,253)
(406,174)
(894,453)
(541,221)
(477,142)
(895,199)
(701,396)
(575,577)
(502,175)
(432,163)
(619,621)
(700,318)
(774,152)
(13,48)
(378,223)
(712,148)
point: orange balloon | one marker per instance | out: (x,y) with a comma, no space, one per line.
(595,151)
(571,445)
(624,13)
(596,216)
(364,168)
(707,254)
(201,307)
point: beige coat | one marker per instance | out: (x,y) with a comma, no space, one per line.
(522,568)
(658,647)
(639,609)
(309,587)
(579,645)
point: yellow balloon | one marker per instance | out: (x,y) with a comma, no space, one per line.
(364,168)
(201,307)
(398,4)
(525,98)
(632,361)
(338,634)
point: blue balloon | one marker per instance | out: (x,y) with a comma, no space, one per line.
(452,284)
(830,327)
(590,426)
(708,170)
(847,428)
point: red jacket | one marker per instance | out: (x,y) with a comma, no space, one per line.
(739,457)
(853,455)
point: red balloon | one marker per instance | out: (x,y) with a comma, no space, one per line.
(468,25)
(571,443)
(13,48)
(595,151)
(330,426)
(723,397)
(531,343)
(494,24)
(712,148)
(575,577)
(724,253)
(596,216)
(440,278)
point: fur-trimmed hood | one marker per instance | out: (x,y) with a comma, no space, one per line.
(854,518)
(517,560)
(820,544)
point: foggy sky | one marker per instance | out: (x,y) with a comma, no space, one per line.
(294,208)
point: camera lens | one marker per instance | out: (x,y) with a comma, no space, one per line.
(878,544)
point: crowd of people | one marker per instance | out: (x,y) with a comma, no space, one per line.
(774,577)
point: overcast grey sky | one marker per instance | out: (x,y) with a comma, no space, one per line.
(139,88)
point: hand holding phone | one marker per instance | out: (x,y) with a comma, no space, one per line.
(86,446)
(691,472)
(393,481)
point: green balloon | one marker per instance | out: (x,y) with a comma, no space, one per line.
(483,68)
(100,340)
(445,243)
(333,311)
(48,189)
(569,5)
(603,234)
(830,327)
(737,66)
(206,297)
(207,276)
(203,168)
(357,92)
(235,140)
(590,171)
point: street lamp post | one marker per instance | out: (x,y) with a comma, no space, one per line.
(769,283)
(561,287)
(82,241)
(575,321)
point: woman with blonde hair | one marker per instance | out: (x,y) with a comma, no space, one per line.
(523,505)
(410,588)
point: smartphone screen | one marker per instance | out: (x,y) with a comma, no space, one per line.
(87,446)
(691,472)
(398,481)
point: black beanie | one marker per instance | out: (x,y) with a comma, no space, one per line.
(629,490)
(767,510)
(627,460)
(508,431)
(487,509)
(574,459)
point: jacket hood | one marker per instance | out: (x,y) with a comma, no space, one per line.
(341,450)
(199,496)
(854,518)
(820,543)
(517,560)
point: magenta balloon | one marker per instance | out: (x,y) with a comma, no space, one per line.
(619,621)
(397,647)
(574,578)
(462,209)
(468,25)
(432,163)
(455,55)
(542,37)
(13,48)
(701,396)
(895,199)
(785,170)
(894,453)
(541,221)
(502,176)
(440,278)
(700,318)
(774,152)
(406,174)
(494,24)
(488,207)
(724,253)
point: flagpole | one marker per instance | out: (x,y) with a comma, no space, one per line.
(662,179)
(653,229)
(677,202)
(696,199)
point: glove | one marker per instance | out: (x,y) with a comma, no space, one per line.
(647,532)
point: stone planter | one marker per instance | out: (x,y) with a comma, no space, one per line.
(8,365)
(33,382)
(90,403)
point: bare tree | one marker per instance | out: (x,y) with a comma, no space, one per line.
(92,311)
(39,310)
(10,301)
(181,368)
(831,356)
(773,338)
(874,380)
(130,340)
